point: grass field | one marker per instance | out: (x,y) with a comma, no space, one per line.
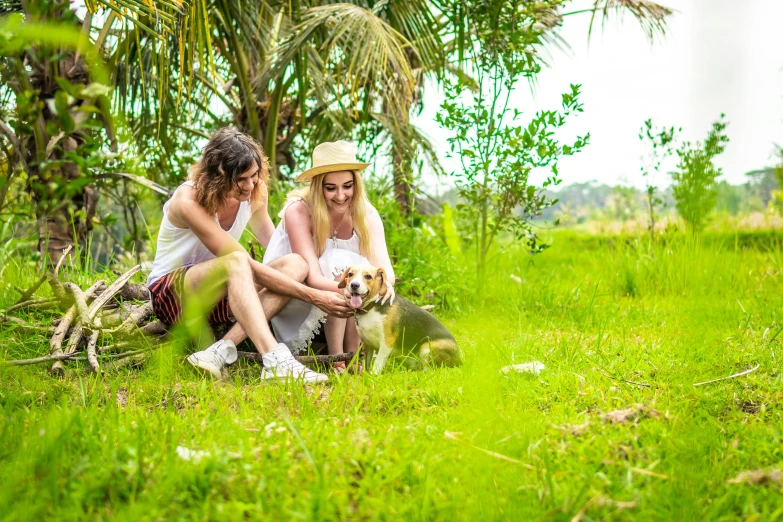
(469,443)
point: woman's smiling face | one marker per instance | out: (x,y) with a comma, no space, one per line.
(338,190)
(246,183)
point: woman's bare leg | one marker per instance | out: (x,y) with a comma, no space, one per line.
(335,334)
(231,274)
(351,340)
(291,265)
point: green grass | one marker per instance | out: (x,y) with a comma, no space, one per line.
(597,312)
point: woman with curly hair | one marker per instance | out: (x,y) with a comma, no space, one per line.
(200,265)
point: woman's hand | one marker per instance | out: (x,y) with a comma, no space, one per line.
(332,303)
(388,296)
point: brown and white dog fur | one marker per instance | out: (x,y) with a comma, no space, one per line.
(400,331)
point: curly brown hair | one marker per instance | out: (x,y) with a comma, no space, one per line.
(228,154)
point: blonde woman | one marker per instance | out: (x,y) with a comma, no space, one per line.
(332,225)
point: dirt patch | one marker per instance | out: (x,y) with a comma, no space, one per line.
(758,476)
(633,413)
(122,397)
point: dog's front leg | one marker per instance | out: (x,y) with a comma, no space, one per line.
(380,358)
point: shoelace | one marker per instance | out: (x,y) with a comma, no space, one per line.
(295,366)
(212,356)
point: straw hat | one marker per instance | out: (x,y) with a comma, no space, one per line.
(332,156)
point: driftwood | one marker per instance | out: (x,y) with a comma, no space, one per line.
(27,294)
(138,316)
(71,357)
(31,304)
(134,292)
(21,324)
(55,345)
(92,355)
(90,317)
(114,318)
(100,301)
(88,322)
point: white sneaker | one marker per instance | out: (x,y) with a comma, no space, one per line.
(280,364)
(214,358)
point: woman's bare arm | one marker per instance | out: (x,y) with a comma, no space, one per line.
(260,222)
(380,253)
(184,210)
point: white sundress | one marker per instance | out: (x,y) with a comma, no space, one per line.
(298,322)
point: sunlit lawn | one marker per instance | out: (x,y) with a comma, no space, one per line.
(617,325)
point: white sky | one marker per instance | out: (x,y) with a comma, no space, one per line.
(718,56)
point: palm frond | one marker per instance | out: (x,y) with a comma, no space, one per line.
(417,22)
(652,17)
(357,47)
(10,6)
(159,36)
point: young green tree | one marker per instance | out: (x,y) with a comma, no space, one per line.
(660,143)
(694,179)
(497,151)
(776,202)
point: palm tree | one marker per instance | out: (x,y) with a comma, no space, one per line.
(289,72)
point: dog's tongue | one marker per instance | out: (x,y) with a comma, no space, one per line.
(356,301)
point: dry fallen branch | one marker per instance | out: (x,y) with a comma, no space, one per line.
(304,359)
(24,325)
(135,318)
(154,329)
(80,302)
(453,436)
(27,294)
(31,304)
(92,356)
(110,292)
(39,360)
(55,344)
(78,357)
(85,313)
(134,360)
(134,292)
(114,318)
(733,376)
(100,302)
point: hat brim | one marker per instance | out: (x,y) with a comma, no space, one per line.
(324,169)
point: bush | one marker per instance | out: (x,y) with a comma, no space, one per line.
(694,181)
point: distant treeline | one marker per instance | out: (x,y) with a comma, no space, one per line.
(582,202)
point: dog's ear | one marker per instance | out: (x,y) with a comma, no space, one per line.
(381,274)
(344,278)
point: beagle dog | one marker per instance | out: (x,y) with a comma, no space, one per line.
(400,331)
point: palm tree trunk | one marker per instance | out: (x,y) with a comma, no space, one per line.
(59,228)
(402,161)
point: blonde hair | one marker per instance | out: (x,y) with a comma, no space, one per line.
(228,154)
(313,198)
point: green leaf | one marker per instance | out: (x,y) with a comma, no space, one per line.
(94,90)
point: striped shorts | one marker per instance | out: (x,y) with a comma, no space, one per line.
(167,295)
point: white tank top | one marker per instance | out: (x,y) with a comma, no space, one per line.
(179,247)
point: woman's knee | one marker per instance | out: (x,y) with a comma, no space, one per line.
(296,267)
(236,263)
